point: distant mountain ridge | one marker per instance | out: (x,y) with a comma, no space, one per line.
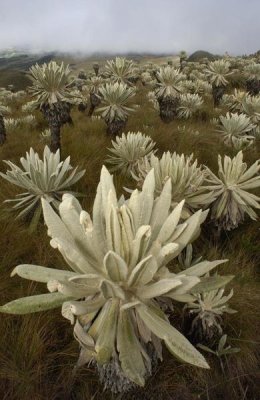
(14,66)
(23,61)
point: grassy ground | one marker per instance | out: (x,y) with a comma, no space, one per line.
(38,352)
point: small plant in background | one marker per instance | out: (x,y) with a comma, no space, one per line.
(189,105)
(231,191)
(92,86)
(252,74)
(168,92)
(234,127)
(235,101)
(221,350)
(128,150)
(4,110)
(121,70)
(115,107)
(251,107)
(48,178)
(45,136)
(218,72)
(206,311)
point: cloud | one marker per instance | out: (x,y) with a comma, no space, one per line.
(131,25)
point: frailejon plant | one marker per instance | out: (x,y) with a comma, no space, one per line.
(121,70)
(234,127)
(4,110)
(169,87)
(252,74)
(52,91)
(49,178)
(186,176)
(115,107)
(119,273)
(221,350)
(251,106)
(208,309)
(234,101)
(92,86)
(189,105)
(128,150)
(231,191)
(218,71)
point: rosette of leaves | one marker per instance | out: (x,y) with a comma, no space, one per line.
(218,71)
(188,179)
(118,262)
(252,74)
(189,105)
(121,70)
(11,123)
(128,150)
(48,178)
(115,107)
(52,91)
(152,99)
(231,189)
(147,79)
(235,126)
(206,312)
(235,101)
(251,107)
(6,96)
(169,87)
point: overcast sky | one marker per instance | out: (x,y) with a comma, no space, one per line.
(131,25)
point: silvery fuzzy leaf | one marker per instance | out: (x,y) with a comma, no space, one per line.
(129,350)
(176,343)
(105,343)
(30,304)
(157,289)
(115,267)
(211,283)
(202,268)
(83,337)
(41,274)
(143,272)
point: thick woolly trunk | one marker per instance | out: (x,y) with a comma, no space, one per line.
(133,79)
(56,115)
(217,93)
(96,69)
(182,63)
(168,108)
(253,86)
(55,138)
(82,107)
(115,127)
(113,378)
(82,75)
(94,102)
(2,131)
